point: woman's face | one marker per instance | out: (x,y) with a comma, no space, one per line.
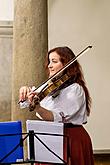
(54,63)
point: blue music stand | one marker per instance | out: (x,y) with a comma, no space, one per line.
(10,136)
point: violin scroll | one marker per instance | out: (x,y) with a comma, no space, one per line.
(34,103)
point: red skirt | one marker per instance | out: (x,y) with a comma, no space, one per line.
(80,147)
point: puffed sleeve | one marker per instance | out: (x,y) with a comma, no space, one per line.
(70,104)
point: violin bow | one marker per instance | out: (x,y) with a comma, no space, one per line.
(45,83)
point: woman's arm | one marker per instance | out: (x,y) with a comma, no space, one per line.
(43,114)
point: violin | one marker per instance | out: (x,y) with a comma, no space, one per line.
(55,82)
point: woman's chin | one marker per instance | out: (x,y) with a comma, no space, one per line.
(50,75)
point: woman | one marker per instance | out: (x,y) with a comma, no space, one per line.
(69,104)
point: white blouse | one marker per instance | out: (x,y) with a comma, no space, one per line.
(70,103)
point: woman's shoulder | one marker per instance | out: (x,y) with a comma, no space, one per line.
(75,87)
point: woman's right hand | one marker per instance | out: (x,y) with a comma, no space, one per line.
(23,93)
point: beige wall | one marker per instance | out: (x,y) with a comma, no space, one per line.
(77,24)
(6,10)
(5,69)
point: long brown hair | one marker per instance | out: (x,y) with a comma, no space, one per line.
(74,70)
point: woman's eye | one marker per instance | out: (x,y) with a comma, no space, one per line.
(54,61)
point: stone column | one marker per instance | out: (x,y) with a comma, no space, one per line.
(29,48)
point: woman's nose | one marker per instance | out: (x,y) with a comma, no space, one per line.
(50,65)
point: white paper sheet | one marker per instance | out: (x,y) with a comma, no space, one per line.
(55,143)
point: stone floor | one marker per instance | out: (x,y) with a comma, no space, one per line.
(102,159)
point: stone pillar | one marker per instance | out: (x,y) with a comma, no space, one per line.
(29,49)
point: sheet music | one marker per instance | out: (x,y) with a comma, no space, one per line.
(55,143)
